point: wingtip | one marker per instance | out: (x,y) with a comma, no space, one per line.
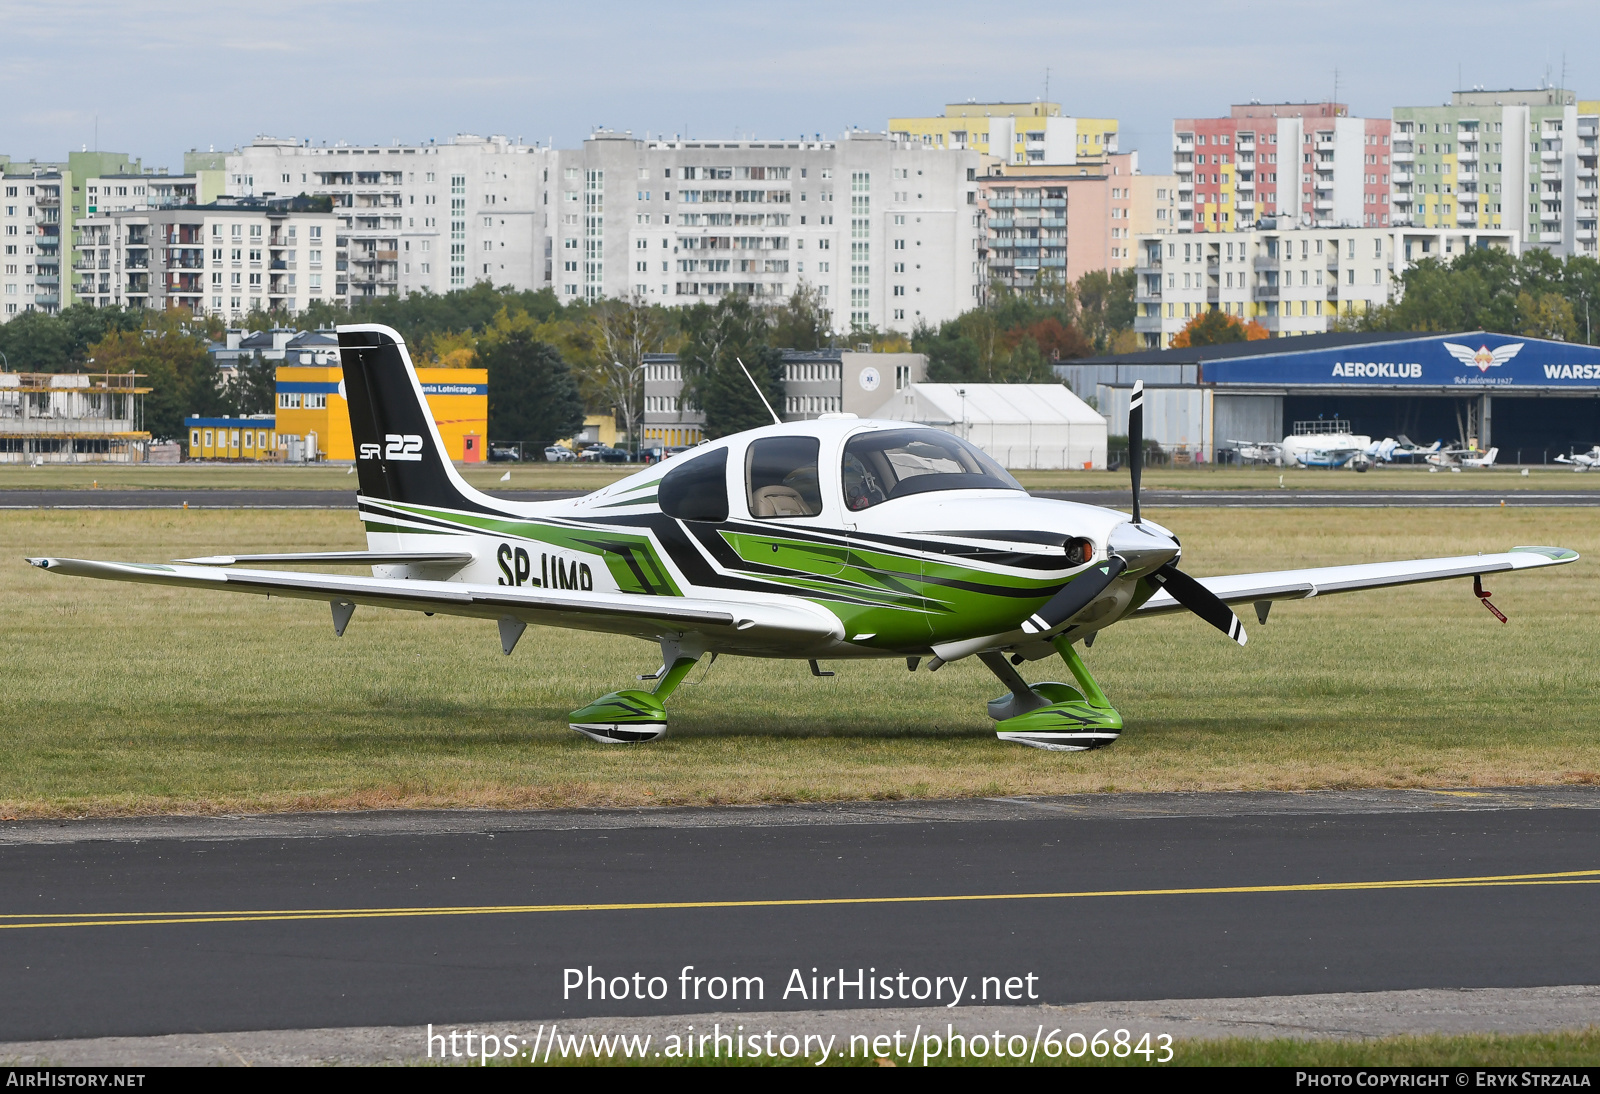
(42,563)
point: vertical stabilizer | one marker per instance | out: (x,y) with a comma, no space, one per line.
(399,455)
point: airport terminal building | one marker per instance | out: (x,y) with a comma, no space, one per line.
(1532,398)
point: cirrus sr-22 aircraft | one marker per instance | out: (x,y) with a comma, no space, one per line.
(832,539)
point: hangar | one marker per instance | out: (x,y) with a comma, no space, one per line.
(1532,397)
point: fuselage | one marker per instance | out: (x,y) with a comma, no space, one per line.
(950,554)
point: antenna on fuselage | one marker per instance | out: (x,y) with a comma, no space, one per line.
(759,394)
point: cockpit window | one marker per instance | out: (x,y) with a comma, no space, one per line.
(781,477)
(894,463)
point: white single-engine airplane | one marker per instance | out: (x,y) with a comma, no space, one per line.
(828,539)
(1583,461)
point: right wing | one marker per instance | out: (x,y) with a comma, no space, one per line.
(1322,580)
(767,624)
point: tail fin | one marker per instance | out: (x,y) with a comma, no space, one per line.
(399,455)
(1488,459)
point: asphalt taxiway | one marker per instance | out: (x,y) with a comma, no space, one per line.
(1116,499)
(129,927)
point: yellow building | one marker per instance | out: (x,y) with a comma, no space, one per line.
(1014,133)
(252,438)
(312,407)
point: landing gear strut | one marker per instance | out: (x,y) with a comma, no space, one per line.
(1051,715)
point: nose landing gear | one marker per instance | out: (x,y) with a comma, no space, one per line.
(1053,716)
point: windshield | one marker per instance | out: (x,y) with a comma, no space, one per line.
(893,463)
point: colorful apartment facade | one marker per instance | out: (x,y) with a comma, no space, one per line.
(1293,164)
(1013,133)
(1073,220)
(312,407)
(1523,160)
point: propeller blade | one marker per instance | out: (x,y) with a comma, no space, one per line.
(1136,442)
(1199,600)
(1075,597)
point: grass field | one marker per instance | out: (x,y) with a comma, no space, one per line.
(569,476)
(137,699)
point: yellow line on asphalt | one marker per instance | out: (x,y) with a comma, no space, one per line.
(128,919)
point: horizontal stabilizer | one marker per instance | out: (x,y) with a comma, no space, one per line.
(363,558)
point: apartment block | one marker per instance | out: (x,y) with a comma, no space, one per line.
(1522,160)
(31,230)
(888,232)
(1072,220)
(1292,282)
(1293,164)
(227,258)
(1013,133)
(413,217)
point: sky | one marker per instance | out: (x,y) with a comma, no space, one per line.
(153,78)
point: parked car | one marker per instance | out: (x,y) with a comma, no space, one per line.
(600,453)
(501,453)
(558,453)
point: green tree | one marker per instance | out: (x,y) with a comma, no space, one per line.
(533,396)
(254,387)
(1549,315)
(623,332)
(175,364)
(802,322)
(719,336)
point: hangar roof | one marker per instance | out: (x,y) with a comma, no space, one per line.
(1190,355)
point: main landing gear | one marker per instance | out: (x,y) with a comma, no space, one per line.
(1054,716)
(634,716)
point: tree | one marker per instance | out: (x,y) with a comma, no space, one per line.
(1213,328)
(254,388)
(1106,305)
(802,322)
(624,331)
(719,337)
(175,364)
(533,397)
(1549,315)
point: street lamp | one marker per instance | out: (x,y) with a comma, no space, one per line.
(961,391)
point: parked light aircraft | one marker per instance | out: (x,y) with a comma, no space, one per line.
(1394,449)
(829,539)
(1583,461)
(1258,451)
(1463,457)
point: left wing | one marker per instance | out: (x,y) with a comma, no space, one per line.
(1322,580)
(758,624)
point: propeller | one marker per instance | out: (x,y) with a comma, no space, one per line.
(1082,591)
(1136,442)
(1076,596)
(1199,600)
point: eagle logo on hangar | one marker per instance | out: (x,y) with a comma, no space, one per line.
(1483,358)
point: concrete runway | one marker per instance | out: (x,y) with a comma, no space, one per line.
(1116,499)
(187,925)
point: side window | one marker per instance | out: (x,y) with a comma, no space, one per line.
(698,490)
(780,475)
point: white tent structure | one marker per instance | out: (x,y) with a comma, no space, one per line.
(1023,426)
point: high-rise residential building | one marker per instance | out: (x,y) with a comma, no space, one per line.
(1073,220)
(1013,133)
(1518,160)
(1299,164)
(412,217)
(1294,281)
(888,233)
(228,258)
(31,229)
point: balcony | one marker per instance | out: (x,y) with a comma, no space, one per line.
(1244,204)
(1246,184)
(1466,175)
(1584,235)
(1550,174)
(1401,198)
(1402,157)
(1401,177)
(1325,146)
(1469,217)
(1185,206)
(1052,222)
(1550,216)
(47,300)
(1586,171)
(1586,131)
(1464,156)
(1183,146)
(1550,155)
(1001,203)
(1322,205)
(1266,292)
(1183,168)
(1046,203)
(1212,294)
